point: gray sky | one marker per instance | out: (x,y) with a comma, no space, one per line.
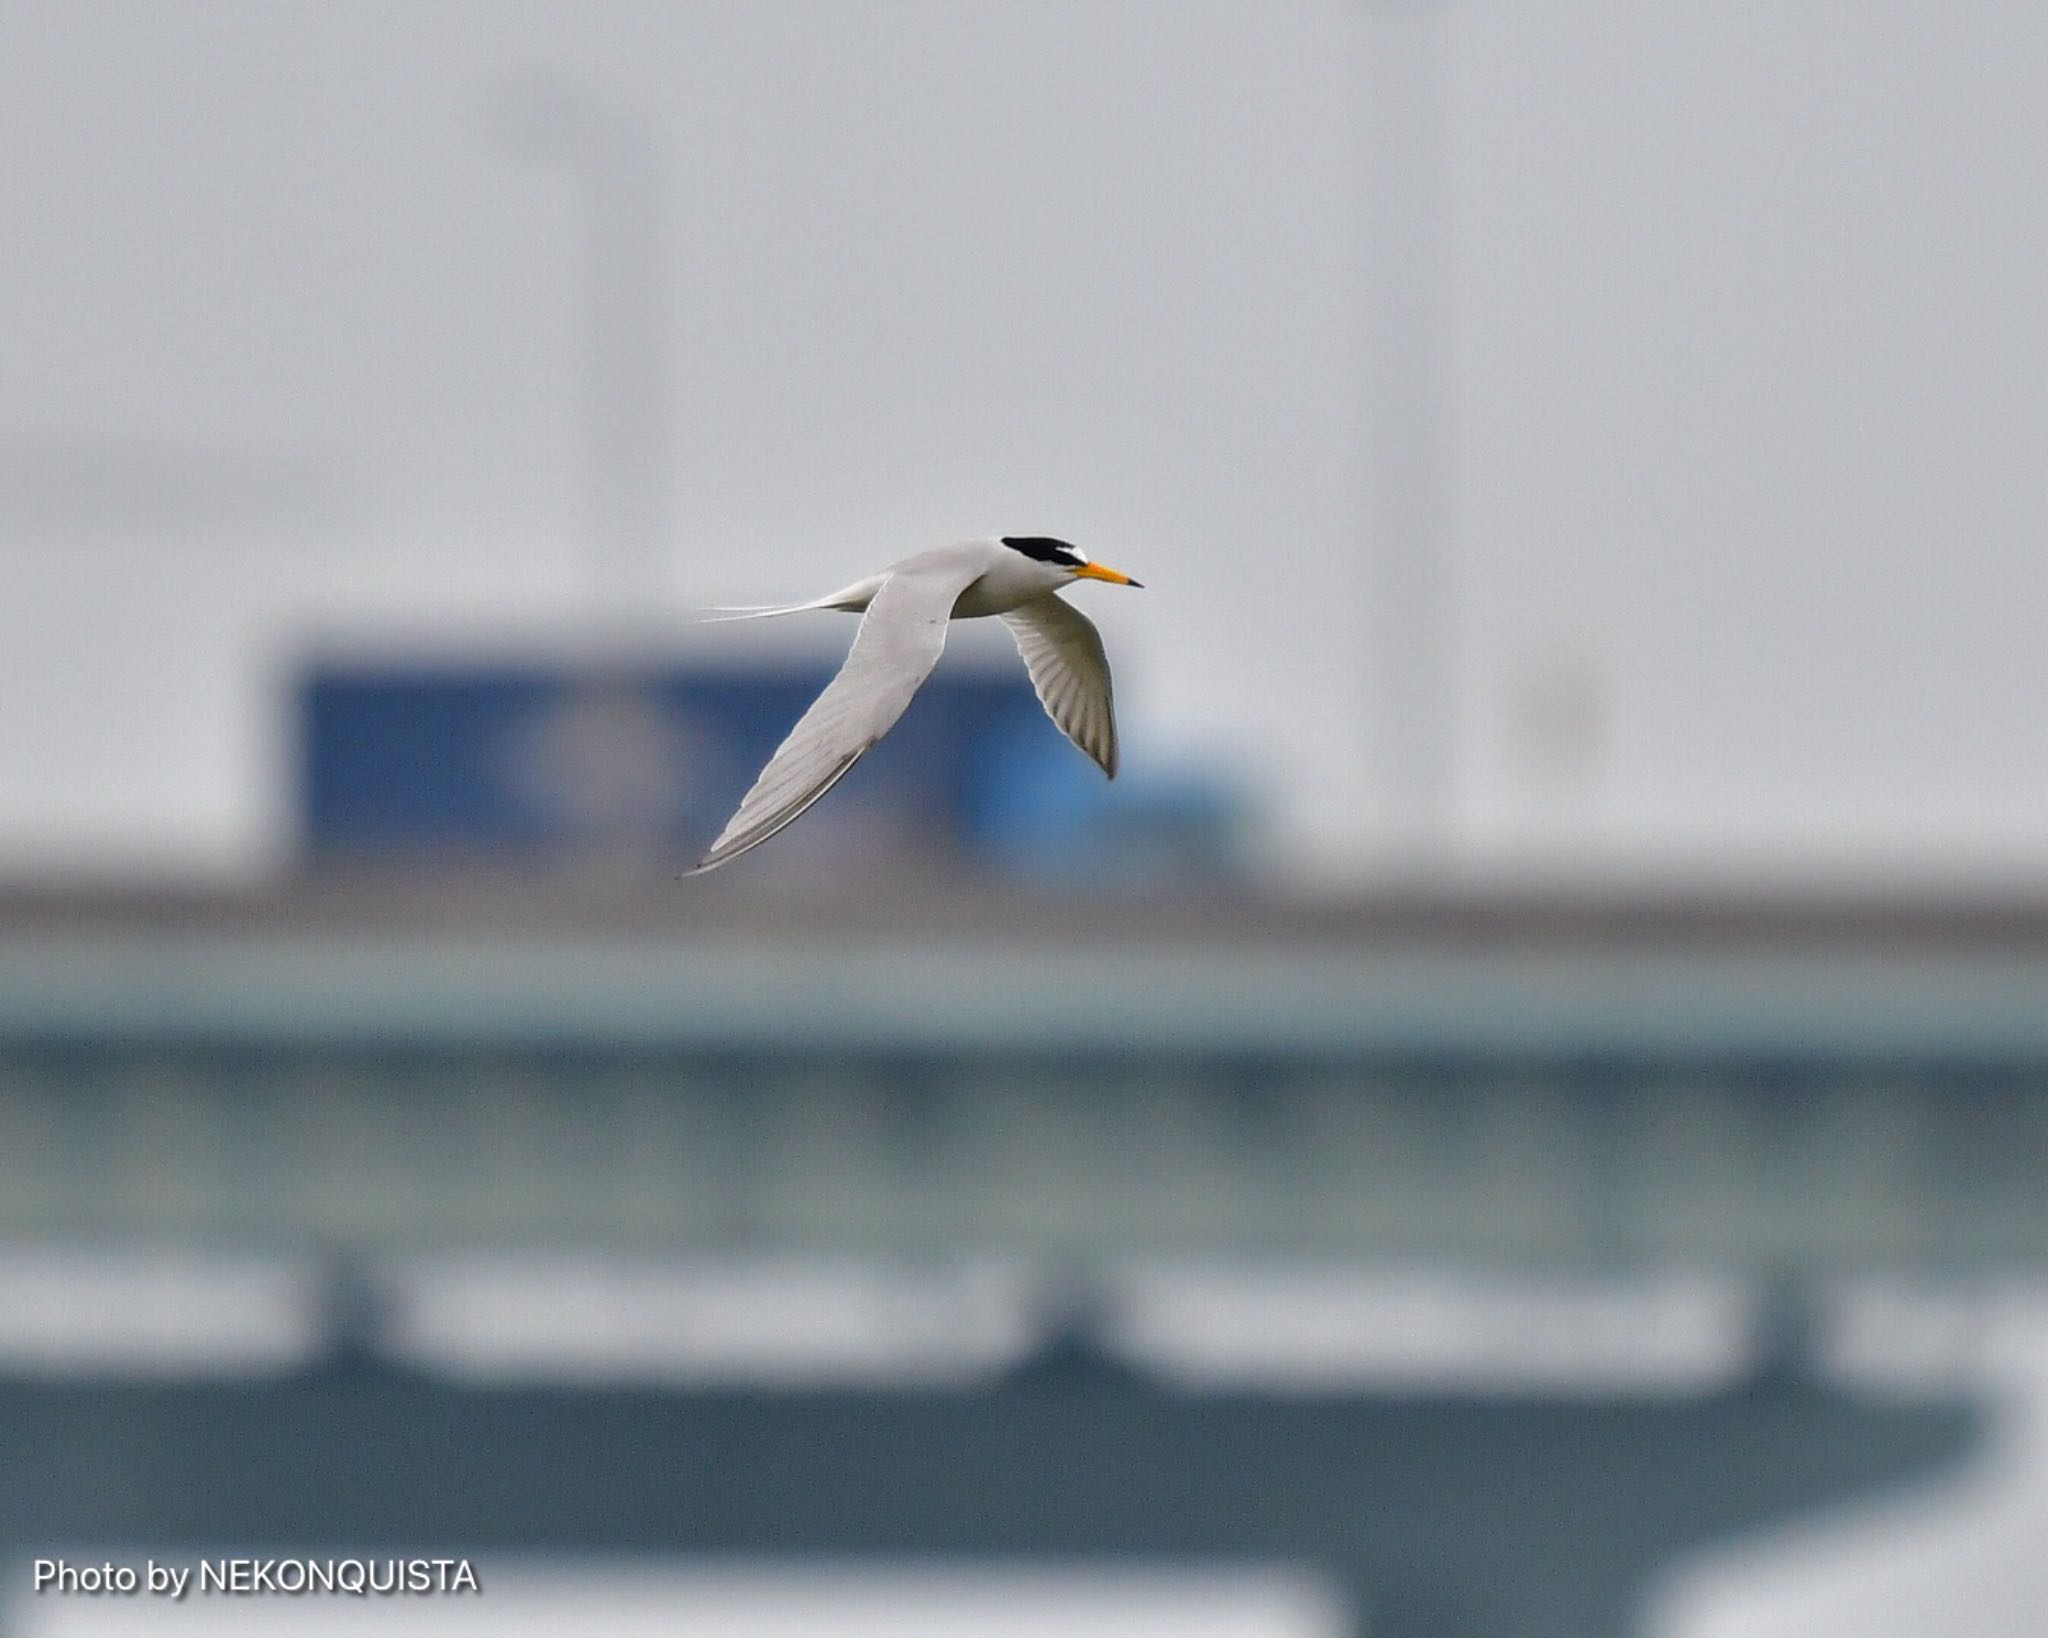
(1743,380)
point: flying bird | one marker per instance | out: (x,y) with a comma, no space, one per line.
(904,612)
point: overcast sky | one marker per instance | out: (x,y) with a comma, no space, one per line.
(1658,411)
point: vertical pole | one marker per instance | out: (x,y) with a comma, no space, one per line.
(621,175)
(1407,465)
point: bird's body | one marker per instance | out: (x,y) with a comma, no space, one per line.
(904,612)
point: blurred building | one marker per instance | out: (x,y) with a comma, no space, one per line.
(1668,1202)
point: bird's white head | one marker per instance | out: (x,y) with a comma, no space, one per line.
(1065,561)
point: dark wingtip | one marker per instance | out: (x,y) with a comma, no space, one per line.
(1135,585)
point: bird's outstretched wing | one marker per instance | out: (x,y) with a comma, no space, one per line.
(1063,652)
(900,639)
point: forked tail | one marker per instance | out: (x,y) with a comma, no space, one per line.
(764,611)
(851,598)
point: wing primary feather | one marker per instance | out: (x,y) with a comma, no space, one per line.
(731,848)
(1063,652)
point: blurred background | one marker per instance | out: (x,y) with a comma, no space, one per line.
(1523,1112)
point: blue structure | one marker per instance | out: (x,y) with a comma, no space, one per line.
(518,760)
